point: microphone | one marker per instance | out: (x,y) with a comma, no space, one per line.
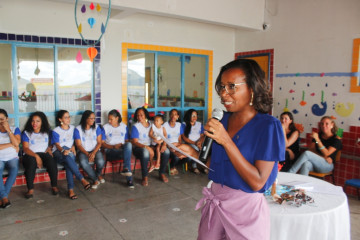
(206,147)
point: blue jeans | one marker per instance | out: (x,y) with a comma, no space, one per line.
(309,161)
(13,167)
(99,162)
(122,153)
(71,168)
(144,156)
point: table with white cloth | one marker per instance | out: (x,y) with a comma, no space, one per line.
(327,218)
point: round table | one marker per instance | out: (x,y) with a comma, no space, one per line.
(327,218)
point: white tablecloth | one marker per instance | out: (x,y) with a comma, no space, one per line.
(327,218)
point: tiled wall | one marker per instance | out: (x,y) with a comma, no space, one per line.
(349,165)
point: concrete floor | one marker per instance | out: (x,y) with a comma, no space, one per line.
(160,211)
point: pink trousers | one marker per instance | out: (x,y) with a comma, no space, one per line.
(233,214)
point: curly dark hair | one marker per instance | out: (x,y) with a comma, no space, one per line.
(59,115)
(84,117)
(292,126)
(45,126)
(139,109)
(255,80)
(115,113)
(187,119)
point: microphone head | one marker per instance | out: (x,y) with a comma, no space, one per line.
(217,113)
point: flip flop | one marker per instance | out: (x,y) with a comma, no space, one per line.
(87,187)
(73,197)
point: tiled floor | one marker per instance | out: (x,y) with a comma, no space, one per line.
(160,211)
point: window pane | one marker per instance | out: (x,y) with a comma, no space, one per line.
(75,120)
(169,81)
(195,81)
(140,79)
(35,79)
(74,80)
(5,77)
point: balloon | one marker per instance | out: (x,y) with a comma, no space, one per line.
(92,52)
(79,57)
(83,9)
(91,21)
(92,6)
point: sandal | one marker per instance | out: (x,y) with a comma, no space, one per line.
(73,197)
(151,169)
(55,192)
(157,167)
(87,187)
(163,178)
(145,182)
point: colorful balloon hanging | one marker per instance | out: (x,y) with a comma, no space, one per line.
(92,53)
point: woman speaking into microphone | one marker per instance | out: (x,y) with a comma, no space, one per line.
(248,144)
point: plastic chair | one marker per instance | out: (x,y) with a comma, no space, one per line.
(353,183)
(331,173)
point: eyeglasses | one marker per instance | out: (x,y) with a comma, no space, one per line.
(229,88)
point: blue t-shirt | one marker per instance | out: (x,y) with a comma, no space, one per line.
(262,138)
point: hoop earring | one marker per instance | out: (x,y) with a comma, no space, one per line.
(252,99)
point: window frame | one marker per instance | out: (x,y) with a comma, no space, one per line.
(168,51)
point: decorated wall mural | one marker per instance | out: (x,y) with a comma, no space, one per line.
(310,96)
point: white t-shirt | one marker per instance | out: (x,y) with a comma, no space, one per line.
(63,136)
(38,142)
(173,133)
(116,135)
(196,131)
(88,138)
(157,133)
(142,133)
(10,152)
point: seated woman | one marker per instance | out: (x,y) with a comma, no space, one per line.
(291,140)
(64,151)
(174,131)
(88,140)
(193,133)
(142,150)
(322,152)
(38,151)
(9,148)
(116,143)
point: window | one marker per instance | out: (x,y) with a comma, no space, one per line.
(163,78)
(29,81)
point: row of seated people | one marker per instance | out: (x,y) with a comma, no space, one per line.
(43,147)
(321,154)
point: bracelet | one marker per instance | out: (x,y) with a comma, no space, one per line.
(63,150)
(322,148)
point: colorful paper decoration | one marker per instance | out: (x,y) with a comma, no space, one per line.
(98,7)
(322,74)
(80,28)
(102,28)
(91,21)
(317,110)
(286,106)
(303,103)
(79,57)
(343,111)
(92,6)
(83,8)
(92,53)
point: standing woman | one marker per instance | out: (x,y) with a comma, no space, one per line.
(64,151)
(38,152)
(249,144)
(174,131)
(142,150)
(193,133)
(323,149)
(117,145)
(88,140)
(291,140)
(9,148)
